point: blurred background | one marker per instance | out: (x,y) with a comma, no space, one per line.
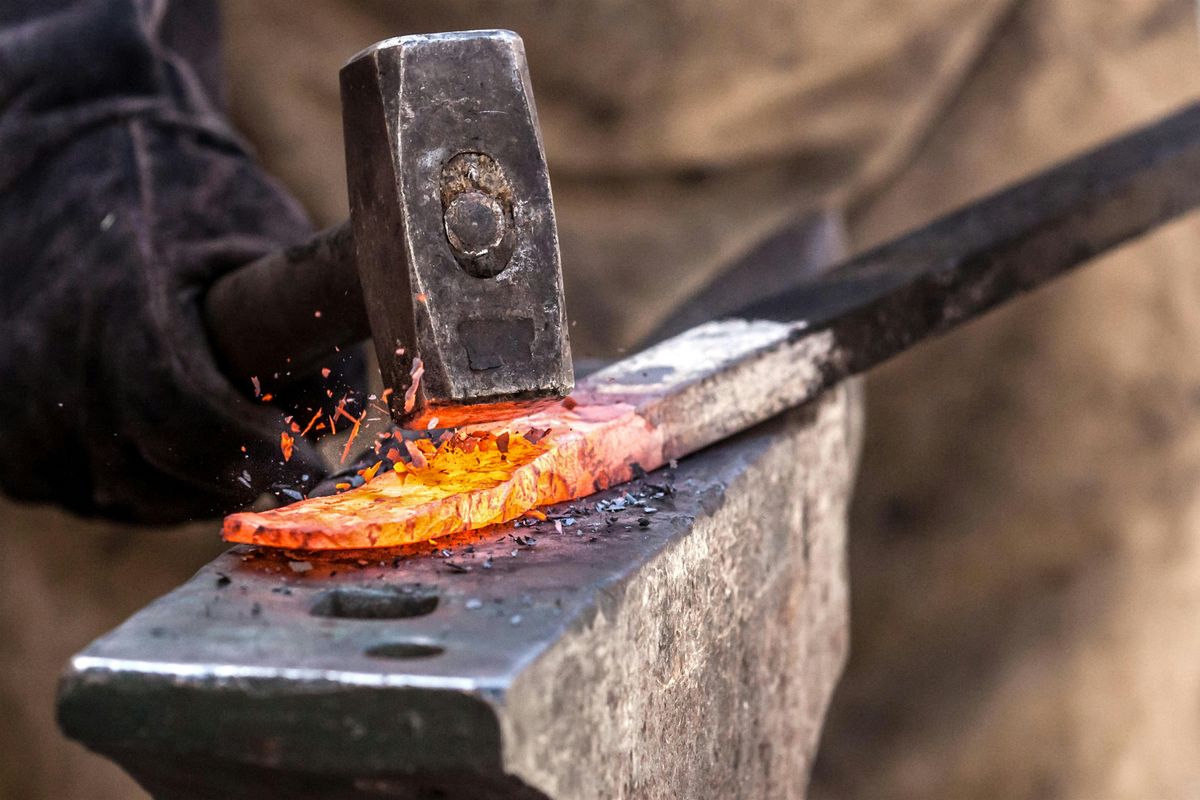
(1025,569)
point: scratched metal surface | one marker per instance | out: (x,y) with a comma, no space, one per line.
(232,683)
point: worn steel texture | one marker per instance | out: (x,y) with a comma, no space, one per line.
(680,637)
(445,165)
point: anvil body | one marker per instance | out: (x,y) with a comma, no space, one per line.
(680,637)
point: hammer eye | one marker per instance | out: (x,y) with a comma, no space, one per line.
(477,214)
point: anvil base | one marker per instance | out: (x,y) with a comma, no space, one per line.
(679,636)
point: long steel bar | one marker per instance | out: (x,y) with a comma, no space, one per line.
(958,267)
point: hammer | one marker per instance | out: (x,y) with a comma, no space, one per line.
(449,260)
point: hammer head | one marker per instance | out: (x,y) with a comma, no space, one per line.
(454,229)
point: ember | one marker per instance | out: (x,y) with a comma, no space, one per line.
(410,394)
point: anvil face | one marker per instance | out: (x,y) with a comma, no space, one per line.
(453,221)
(653,635)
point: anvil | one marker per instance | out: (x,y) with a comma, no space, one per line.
(675,637)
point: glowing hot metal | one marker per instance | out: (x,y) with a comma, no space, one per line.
(664,403)
(449,489)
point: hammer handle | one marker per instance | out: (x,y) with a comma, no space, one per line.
(280,317)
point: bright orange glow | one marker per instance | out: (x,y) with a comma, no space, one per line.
(489,473)
(476,416)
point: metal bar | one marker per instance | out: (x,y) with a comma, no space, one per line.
(600,649)
(922,284)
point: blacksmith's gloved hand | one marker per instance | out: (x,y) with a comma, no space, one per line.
(123,194)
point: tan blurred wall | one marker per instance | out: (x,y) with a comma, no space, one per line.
(1025,544)
(63,582)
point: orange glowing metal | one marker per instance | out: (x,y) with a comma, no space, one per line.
(470,483)
(286,445)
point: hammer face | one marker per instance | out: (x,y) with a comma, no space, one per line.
(457,246)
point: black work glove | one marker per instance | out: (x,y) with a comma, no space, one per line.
(123,194)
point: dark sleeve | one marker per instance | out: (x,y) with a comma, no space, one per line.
(123,194)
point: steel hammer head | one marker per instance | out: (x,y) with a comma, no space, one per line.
(454,229)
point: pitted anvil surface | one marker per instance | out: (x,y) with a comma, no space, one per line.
(679,636)
(451,253)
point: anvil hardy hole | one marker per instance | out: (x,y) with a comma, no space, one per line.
(375,602)
(404,650)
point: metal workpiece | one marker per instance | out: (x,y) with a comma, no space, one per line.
(453,220)
(678,636)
